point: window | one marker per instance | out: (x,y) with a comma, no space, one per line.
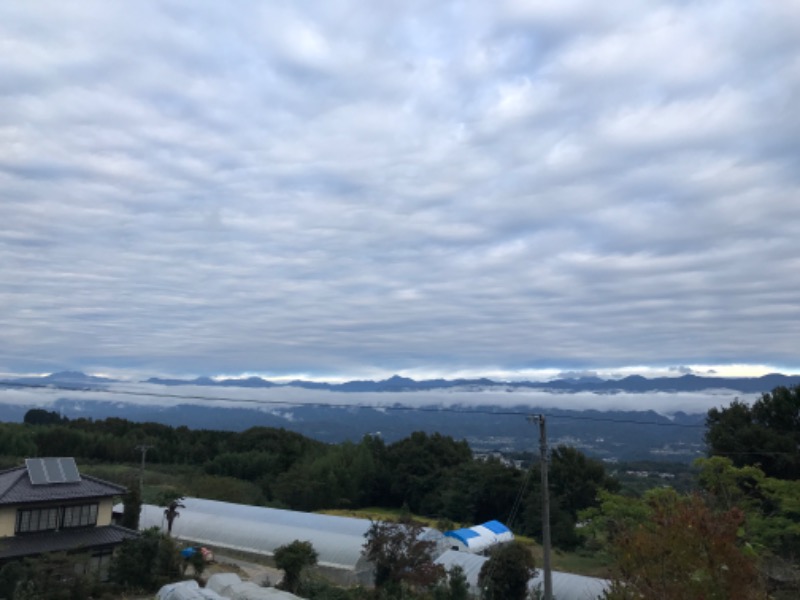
(37,519)
(48,519)
(99,564)
(79,516)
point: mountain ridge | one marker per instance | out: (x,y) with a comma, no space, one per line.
(397,383)
(631,383)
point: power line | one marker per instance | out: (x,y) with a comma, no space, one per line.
(395,407)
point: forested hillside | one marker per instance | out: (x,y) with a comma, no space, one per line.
(431,475)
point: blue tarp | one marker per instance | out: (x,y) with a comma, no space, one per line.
(481,537)
(462,535)
(496,527)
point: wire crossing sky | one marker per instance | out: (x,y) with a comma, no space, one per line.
(355,189)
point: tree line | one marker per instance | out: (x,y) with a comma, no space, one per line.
(431,475)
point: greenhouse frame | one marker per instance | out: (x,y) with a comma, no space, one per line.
(259,530)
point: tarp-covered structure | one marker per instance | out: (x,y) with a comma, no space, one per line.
(566,586)
(259,530)
(228,585)
(221,586)
(186,590)
(479,538)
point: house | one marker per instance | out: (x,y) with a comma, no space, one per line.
(48,506)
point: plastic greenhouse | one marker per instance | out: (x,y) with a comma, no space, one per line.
(480,537)
(259,530)
(566,586)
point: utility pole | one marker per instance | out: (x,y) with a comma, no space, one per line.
(548,574)
(143,448)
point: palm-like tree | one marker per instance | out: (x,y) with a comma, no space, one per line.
(171,512)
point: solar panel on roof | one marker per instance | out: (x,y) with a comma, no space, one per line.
(52,469)
(70,470)
(36,471)
(43,471)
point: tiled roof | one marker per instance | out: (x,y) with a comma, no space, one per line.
(66,539)
(16,488)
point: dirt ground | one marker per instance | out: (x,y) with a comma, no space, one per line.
(247,570)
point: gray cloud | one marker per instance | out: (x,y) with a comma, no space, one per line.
(347,187)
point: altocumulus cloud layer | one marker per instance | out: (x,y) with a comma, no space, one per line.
(339,187)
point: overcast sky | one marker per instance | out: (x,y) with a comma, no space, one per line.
(350,189)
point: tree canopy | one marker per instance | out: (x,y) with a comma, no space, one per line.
(293,559)
(766,434)
(401,557)
(506,574)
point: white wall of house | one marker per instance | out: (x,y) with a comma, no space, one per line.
(8,519)
(104,512)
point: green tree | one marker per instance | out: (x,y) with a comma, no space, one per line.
(401,557)
(55,576)
(419,463)
(146,562)
(475,491)
(10,575)
(766,434)
(772,515)
(457,583)
(16,441)
(171,500)
(506,574)
(683,550)
(132,504)
(576,483)
(292,559)
(39,416)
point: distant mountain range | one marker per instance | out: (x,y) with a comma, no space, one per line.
(632,384)
(609,434)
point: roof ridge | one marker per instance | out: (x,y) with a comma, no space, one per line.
(22,471)
(20,468)
(121,528)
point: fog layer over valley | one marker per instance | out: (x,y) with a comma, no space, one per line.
(612,425)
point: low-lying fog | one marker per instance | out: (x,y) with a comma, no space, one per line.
(666,403)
